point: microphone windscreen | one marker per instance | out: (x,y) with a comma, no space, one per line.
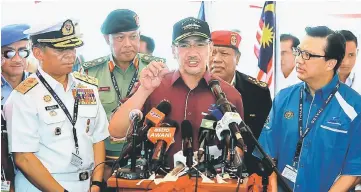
(134,113)
(186,127)
(164,107)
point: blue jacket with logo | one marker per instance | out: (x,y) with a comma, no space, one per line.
(333,145)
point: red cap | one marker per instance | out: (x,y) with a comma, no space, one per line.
(226,39)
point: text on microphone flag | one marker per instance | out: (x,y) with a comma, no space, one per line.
(162,133)
(155,116)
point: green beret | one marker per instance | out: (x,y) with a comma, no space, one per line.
(120,20)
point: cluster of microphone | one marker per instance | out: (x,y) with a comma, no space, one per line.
(223,126)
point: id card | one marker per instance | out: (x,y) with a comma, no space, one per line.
(5,186)
(76,160)
(290,173)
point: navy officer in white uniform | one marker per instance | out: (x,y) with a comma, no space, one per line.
(56,122)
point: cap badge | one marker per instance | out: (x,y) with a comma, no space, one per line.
(191,26)
(136,18)
(233,39)
(67,28)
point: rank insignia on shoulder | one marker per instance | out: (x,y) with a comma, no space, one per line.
(86,78)
(26,85)
(257,82)
(146,59)
(95,62)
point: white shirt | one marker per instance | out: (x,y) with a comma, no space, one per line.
(32,127)
(354,82)
(290,80)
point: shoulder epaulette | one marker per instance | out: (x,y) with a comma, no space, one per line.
(86,78)
(146,59)
(256,81)
(95,62)
(26,85)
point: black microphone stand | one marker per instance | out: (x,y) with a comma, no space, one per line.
(225,141)
(268,164)
(134,155)
(134,172)
(208,168)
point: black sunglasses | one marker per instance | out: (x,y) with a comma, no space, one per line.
(23,53)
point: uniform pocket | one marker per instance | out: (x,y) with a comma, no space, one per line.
(334,135)
(53,127)
(86,119)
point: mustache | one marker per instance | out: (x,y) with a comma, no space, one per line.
(192,58)
(17,63)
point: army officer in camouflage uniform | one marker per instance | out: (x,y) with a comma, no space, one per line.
(118,73)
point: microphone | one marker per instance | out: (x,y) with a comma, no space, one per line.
(224,135)
(232,119)
(220,96)
(187,139)
(153,118)
(162,137)
(205,131)
(135,116)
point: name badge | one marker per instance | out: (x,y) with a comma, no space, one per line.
(53,107)
(290,173)
(76,160)
(104,89)
(5,186)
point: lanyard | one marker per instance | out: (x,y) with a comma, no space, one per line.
(3,176)
(300,121)
(115,84)
(63,107)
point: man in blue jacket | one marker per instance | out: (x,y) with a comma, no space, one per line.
(314,127)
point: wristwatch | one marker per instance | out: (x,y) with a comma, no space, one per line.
(97,183)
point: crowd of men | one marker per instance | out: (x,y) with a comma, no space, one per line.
(61,126)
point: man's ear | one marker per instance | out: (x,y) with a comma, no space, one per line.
(211,48)
(238,56)
(174,52)
(331,64)
(106,37)
(38,53)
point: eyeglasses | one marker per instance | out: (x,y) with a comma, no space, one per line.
(197,44)
(305,55)
(23,53)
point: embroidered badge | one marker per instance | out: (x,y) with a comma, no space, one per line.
(58,131)
(87,125)
(47,98)
(53,113)
(288,114)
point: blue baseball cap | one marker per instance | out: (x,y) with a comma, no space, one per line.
(13,33)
